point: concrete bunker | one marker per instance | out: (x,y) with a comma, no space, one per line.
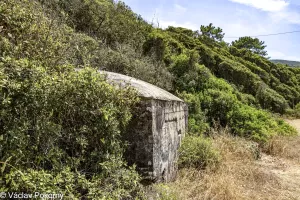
(155,131)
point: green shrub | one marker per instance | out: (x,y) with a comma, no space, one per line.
(294,112)
(66,182)
(164,192)
(116,182)
(297,107)
(217,104)
(197,122)
(198,152)
(269,99)
(256,124)
(284,129)
(27,33)
(251,123)
(64,119)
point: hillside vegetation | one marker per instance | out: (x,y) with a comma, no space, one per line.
(287,62)
(61,130)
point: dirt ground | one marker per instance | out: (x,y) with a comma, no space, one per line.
(287,174)
(285,169)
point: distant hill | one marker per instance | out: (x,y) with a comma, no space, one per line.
(287,62)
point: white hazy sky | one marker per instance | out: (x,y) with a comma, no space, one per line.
(237,18)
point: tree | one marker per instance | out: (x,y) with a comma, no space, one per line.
(112,22)
(211,32)
(253,44)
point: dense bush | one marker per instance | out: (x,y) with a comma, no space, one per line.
(55,120)
(116,182)
(246,70)
(212,99)
(225,108)
(198,152)
(197,122)
(256,124)
(271,100)
(294,112)
(27,33)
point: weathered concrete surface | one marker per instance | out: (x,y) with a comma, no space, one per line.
(144,89)
(154,135)
(168,127)
(155,131)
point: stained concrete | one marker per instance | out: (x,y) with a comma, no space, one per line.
(155,131)
(144,89)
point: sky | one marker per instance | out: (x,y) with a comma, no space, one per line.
(237,18)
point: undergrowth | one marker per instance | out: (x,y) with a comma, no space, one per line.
(239,175)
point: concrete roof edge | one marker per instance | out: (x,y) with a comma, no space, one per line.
(146,90)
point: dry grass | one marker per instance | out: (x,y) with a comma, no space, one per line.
(239,176)
(284,147)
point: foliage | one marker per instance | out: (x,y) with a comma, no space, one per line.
(27,33)
(54,120)
(164,192)
(250,123)
(271,100)
(211,99)
(30,30)
(197,122)
(61,128)
(109,21)
(119,182)
(294,112)
(246,70)
(253,44)
(211,32)
(197,152)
